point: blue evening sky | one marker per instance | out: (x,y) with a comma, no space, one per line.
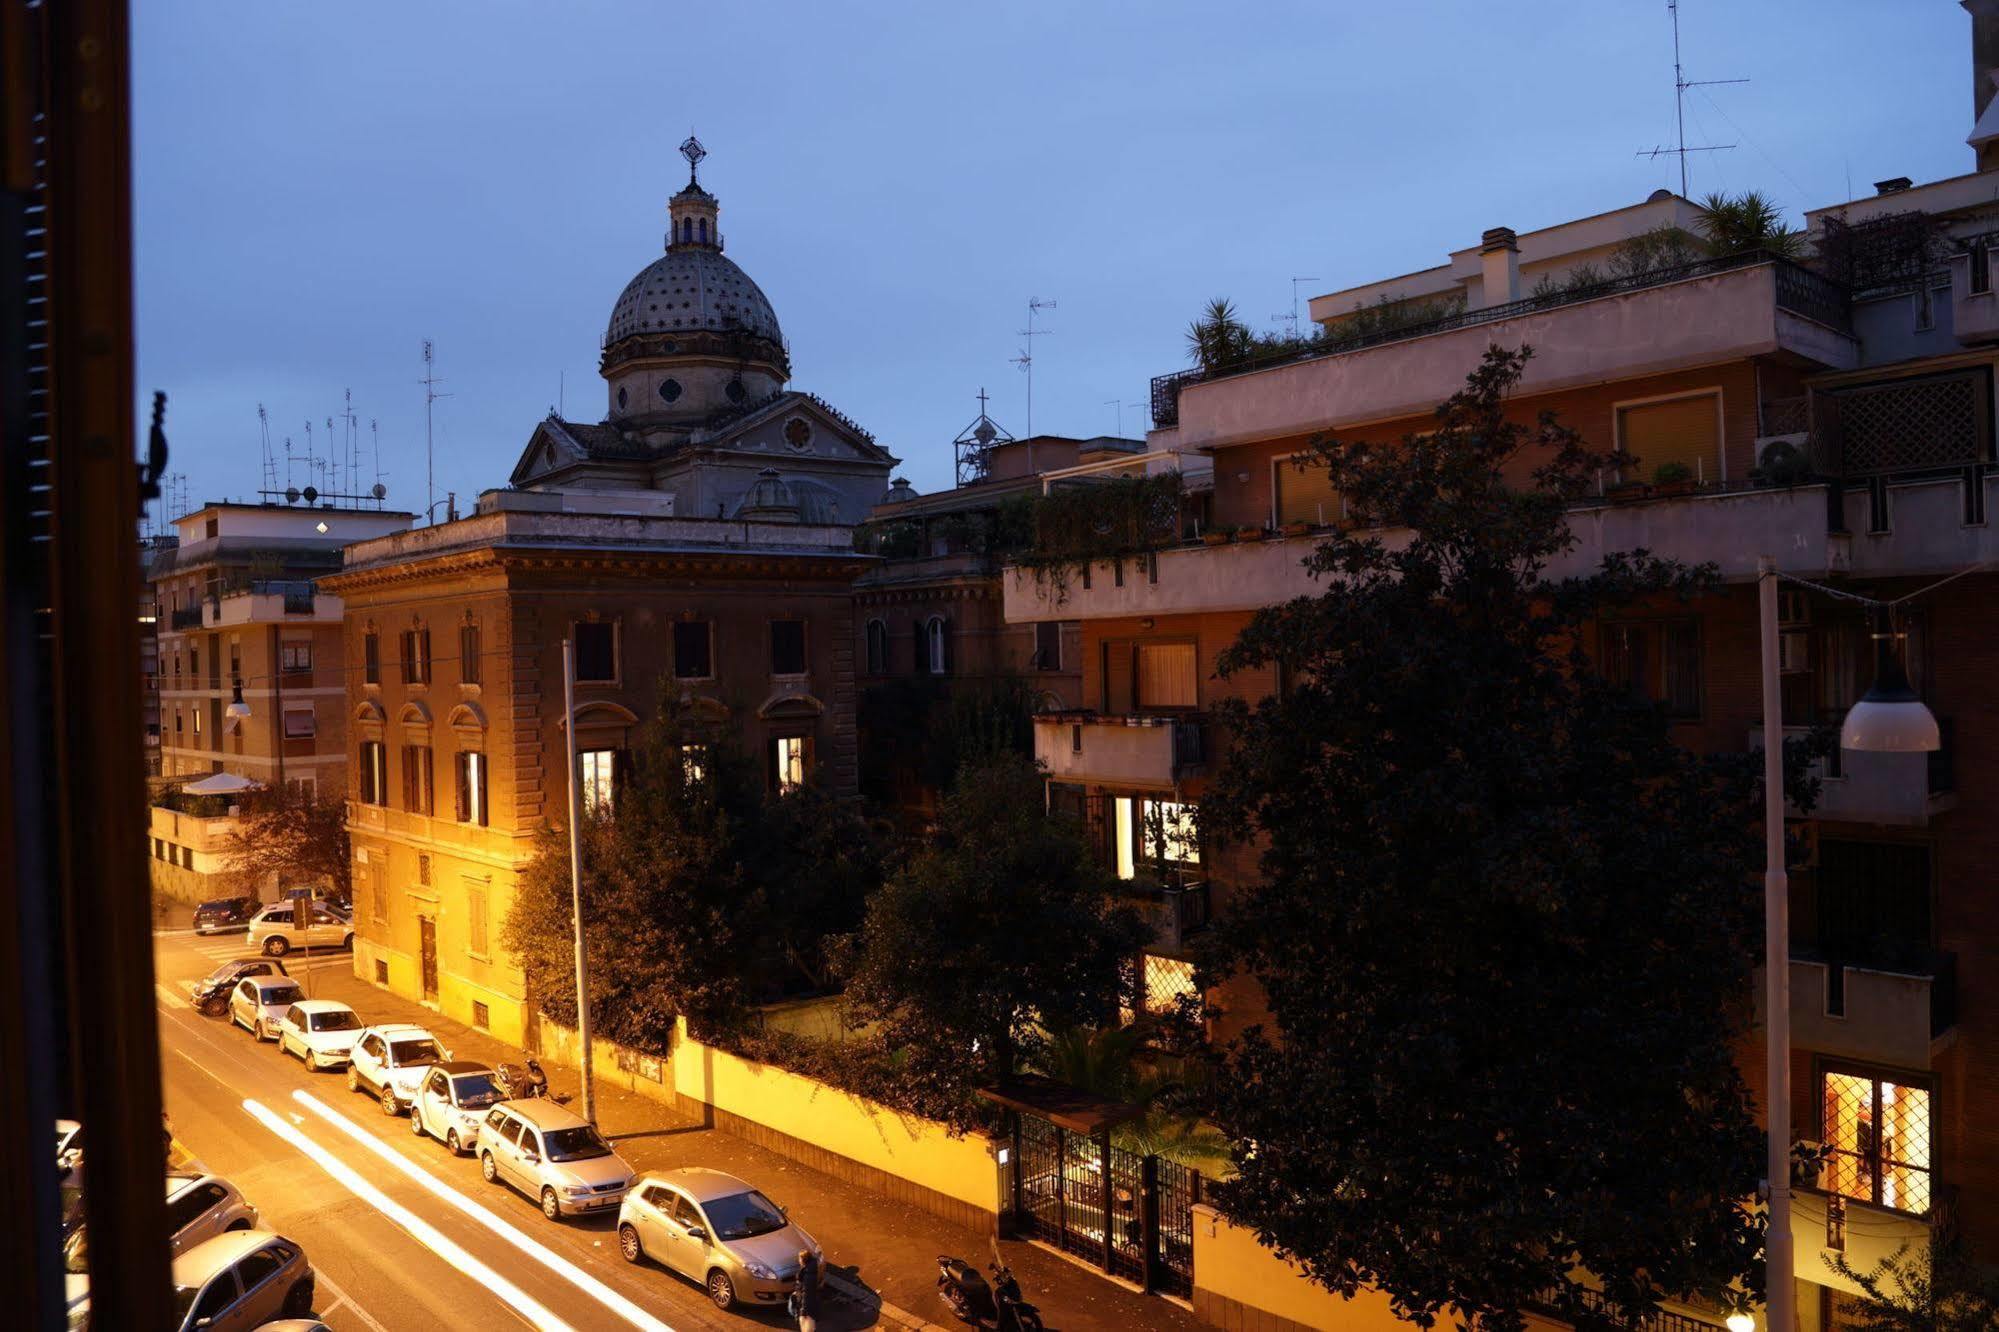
(322,186)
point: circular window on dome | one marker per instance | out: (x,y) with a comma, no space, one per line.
(735,390)
(621,396)
(669,389)
(798,432)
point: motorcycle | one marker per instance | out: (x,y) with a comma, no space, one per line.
(519,1084)
(996,1304)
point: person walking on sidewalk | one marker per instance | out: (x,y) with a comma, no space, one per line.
(804,1302)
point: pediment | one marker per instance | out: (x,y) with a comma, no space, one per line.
(800,427)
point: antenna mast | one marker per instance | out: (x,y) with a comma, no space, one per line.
(430,381)
(1026,358)
(1680,85)
(270,459)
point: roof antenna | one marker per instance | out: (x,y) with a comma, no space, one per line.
(1680,85)
(1290,321)
(430,381)
(270,459)
(1026,358)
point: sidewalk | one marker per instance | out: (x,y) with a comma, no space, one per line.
(883,1254)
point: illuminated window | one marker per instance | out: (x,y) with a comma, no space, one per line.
(1170,832)
(419,790)
(693,763)
(1167,980)
(596,771)
(791,759)
(1877,1138)
(295,658)
(374,769)
(471,772)
(1167,676)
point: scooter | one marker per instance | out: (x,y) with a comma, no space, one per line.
(997,1304)
(518,1084)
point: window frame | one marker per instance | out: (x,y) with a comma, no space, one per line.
(295,656)
(781,780)
(305,710)
(471,788)
(468,653)
(1043,659)
(1656,629)
(804,648)
(419,765)
(371,658)
(588,786)
(374,783)
(1139,703)
(576,637)
(1617,409)
(876,645)
(1876,1074)
(1289,462)
(708,649)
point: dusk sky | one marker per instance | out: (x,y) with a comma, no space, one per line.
(321,187)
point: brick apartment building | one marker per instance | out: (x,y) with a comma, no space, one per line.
(1874,360)
(696,546)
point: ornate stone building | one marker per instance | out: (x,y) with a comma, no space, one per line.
(696,544)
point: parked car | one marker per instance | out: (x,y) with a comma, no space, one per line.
(319,892)
(295,1325)
(453,1097)
(225,915)
(388,1062)
(211,994)
(276,931)
(719,1231)
(258,1004)
(243,1279)
(321,1032)
(553,1155)
(199,1207)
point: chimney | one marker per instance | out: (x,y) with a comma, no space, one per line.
(1499,260)
(1893,185)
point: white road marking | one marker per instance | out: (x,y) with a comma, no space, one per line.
(342,1300)
(426,1234)
(562,1267)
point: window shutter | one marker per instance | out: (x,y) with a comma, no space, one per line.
(1305,494)
(1681,430)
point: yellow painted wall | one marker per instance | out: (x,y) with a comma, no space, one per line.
(917,1150)
(610,1064)
(1231,1263)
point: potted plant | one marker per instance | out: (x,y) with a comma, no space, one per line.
(1673,478)
(1216,536)
(1250,534)
(1624,492)
(1296,529)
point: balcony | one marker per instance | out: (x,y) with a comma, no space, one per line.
(1175,911)
(1868,1235)
(1697,314)
(1887,1009)
(1974,307)
(266,600)
(185,617)
(1895,790)
(1109,750)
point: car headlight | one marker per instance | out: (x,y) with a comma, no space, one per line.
(577,1191)
(760,1272)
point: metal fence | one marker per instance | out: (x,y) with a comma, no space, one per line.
(1131,1215)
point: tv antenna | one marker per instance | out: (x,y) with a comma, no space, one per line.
(1680,85)
(1290,321)
(375,430)
(353,440)
(1026,358)
(270,459)
(430,381)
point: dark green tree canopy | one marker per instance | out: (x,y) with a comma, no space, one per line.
(1004,925)
(1505,926)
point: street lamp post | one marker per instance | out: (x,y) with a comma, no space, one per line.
(576,875)
(1889,718)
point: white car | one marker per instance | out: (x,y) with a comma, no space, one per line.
(452,1100)
(388,1062)
(321,1032)
(199,1207)
(275,929)
(259,1003)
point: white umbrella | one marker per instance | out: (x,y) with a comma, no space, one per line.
(222,783)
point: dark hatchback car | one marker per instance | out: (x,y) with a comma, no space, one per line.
(225,915)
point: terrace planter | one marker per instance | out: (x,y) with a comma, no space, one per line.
(1296,529)
(1215,538)
(1667,489)
(1628,494)
(1250,534)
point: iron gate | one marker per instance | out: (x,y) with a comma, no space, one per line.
(1131,1215)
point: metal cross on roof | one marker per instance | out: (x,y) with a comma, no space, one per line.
(693,152)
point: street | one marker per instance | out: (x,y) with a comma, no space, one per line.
(401,1234)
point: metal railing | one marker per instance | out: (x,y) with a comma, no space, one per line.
(1798,290)
(186,617)
(1659,1320)
(1190,744)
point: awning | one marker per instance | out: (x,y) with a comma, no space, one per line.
(221,783)
(1060,1104)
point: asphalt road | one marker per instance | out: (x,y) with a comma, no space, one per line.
(401,1234)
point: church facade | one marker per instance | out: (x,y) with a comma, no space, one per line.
(696,548)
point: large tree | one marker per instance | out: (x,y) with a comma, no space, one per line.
(1504,925)
(1003,926)
(294,837)
(702,895)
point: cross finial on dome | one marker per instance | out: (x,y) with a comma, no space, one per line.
(693,152)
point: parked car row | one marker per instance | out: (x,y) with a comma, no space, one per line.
(274,928)
(712,1228)
(228,1273)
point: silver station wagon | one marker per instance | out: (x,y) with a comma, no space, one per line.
(553,1155)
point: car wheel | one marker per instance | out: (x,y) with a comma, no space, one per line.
(416,1122)
(721,1289)
(628,1244)
(390,1106)
(298,1300)
(277,946)
(214,1008)
(551,1206)
(353,1079)
(347,942)
(238,1224)
(451,1141)
(487,1170)
(264,1032)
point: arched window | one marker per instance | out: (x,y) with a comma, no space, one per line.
(702,228)
(877,648)
(686,229)
(937,645)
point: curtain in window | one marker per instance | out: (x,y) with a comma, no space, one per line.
(1167,676)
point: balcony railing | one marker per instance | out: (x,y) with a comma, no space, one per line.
(1798,289)
(186,617)
(1176,911)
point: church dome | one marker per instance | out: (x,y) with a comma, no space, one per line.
(692,288)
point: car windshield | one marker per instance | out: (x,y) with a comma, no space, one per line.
(743,1215)
(184,1298)
(421,1050)
(281,994)
(345,1020)
(574,1144)
(476,1090)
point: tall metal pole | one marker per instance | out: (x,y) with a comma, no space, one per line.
(1780,1292)
(576,873)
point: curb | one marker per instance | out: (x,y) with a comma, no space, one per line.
(854,1293)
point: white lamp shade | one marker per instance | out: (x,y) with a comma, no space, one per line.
(1890,726)
(237,711)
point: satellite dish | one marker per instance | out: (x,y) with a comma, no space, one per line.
(379,491)
(291,494)
(310,495)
